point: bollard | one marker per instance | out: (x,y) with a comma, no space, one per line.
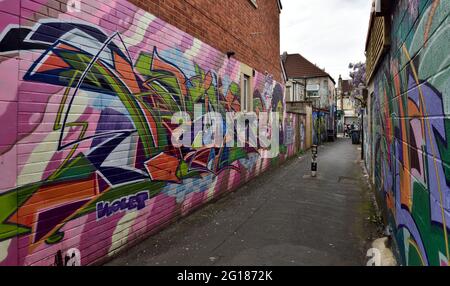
(314,161)
(313,168)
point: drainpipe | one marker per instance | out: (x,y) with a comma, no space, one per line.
(362,134)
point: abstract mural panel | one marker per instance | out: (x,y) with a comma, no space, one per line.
(87,97)
(412,131)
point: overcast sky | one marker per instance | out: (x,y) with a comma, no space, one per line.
(329,33)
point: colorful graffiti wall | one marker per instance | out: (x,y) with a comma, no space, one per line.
(296,134)
(366,140)
(87,95)
(412,131)
(321,123)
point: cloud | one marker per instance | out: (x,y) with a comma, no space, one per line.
(329,33)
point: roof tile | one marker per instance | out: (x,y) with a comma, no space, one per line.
(299,67)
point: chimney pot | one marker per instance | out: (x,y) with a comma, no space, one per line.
(284,57)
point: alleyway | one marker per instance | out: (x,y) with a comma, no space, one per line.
(282,218)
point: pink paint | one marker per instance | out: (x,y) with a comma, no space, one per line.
(28,144)
(11,254)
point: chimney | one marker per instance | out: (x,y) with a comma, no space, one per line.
(284,57)
(340,85)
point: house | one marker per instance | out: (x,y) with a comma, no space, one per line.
(89,159)
(346,105)
(307,82)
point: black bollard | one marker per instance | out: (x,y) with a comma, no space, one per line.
(314,151)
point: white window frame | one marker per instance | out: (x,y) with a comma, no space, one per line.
(298,93)
(246,93)
(294,95)
(288,93)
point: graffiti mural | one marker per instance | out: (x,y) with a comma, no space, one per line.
(291,139)
(91,129)
(320,120)
(302,130)
(412,131)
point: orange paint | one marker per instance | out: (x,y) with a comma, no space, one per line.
(405,178)
(426,34)
(50,197)
(67,47)
(55,195)
(163,168)
(51,63)
(127,75)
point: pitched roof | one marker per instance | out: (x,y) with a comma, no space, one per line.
(299,67)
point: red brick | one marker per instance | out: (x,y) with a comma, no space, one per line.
(228,26)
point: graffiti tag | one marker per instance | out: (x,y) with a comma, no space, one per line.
(72,257)
(374,256)
(105,209)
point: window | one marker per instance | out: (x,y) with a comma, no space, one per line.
(298,93)
(313,94)
(246,106)
(246,88)
(288,93)
(294,91)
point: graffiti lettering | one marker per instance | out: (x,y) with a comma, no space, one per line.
(96,133)
(374,256)
(136,202)
(73,257)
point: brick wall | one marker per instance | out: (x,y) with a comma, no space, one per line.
(410,110)
(233,25)
(87,159)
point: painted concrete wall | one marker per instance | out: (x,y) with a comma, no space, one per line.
(86,158)
(411,140)
(298,132)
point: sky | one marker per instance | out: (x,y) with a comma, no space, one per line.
(329,33)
